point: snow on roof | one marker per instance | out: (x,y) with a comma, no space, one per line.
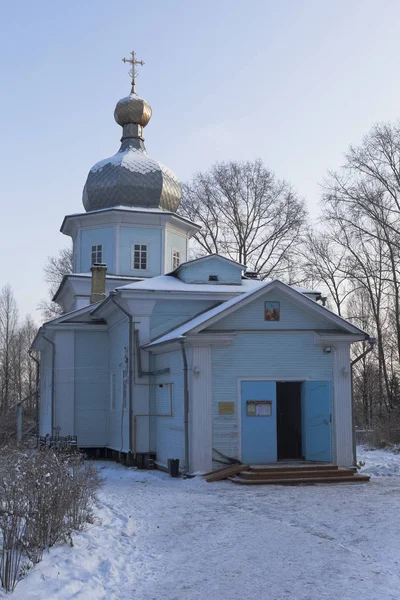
(89,274)
(169,283)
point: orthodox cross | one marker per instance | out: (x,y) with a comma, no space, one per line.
(133,73)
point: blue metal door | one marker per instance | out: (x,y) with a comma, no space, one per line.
(258,422)
(317,427)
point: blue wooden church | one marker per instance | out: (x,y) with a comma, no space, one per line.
(160,357)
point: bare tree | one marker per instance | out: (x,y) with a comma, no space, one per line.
(362,217)
(54,271)
(324,266)
(8,331)
(246,214)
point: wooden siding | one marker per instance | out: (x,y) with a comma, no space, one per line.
(140,235)
(275,355)
(199,272)
(168,314)
(45,391)
(167,433)
(64,382)
(252,316)
(342,413)
(200,413)
(118,425)
(174,241)
(91,388)
(91,237)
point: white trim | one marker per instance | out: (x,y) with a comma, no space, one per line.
(163,258)
(117,248)
(320,339)
(81,326)
(78,251)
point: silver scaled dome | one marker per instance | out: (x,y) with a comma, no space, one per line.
(130,177)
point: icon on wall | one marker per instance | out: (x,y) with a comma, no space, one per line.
(272,311)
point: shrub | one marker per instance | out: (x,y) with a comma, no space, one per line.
(43,497)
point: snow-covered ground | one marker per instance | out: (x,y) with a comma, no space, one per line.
(165,539)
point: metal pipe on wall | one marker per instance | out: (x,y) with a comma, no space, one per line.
(130,358)
(185,406)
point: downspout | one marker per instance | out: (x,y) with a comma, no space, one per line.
(185,406)
(372,342)
(37,390)
(130,352)
(53,381)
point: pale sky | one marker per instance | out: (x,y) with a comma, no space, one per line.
(291,81)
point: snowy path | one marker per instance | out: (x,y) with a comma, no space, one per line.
(166,539)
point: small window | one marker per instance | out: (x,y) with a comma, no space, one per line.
(125,387)
(139,257)
(176,258)
(97,254)
(213,278)
(112,391)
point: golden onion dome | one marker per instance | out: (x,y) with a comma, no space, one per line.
(131,177)
(132,109)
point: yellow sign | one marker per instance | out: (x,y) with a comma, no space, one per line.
(226,408)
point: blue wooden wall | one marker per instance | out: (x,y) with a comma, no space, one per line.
(91,388)
(199,272)
(273,355)
(167,433)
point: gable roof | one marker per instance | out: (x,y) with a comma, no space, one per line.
(197,324)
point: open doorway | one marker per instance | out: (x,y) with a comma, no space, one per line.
(289,430)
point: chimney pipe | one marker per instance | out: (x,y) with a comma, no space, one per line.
(98,291)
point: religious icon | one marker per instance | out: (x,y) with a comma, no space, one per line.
(272,311)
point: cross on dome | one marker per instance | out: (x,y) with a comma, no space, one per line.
(133,73)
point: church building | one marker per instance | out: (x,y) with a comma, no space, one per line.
(157,356)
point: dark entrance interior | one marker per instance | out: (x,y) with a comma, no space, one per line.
(288,397)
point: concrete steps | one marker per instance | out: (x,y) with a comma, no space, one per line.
(304,474)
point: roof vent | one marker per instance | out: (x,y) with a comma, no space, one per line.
(251,274)
(213,278)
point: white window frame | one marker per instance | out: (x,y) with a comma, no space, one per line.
(124,388)
(113,396)
(176,254)
(97,251)
(143,257)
